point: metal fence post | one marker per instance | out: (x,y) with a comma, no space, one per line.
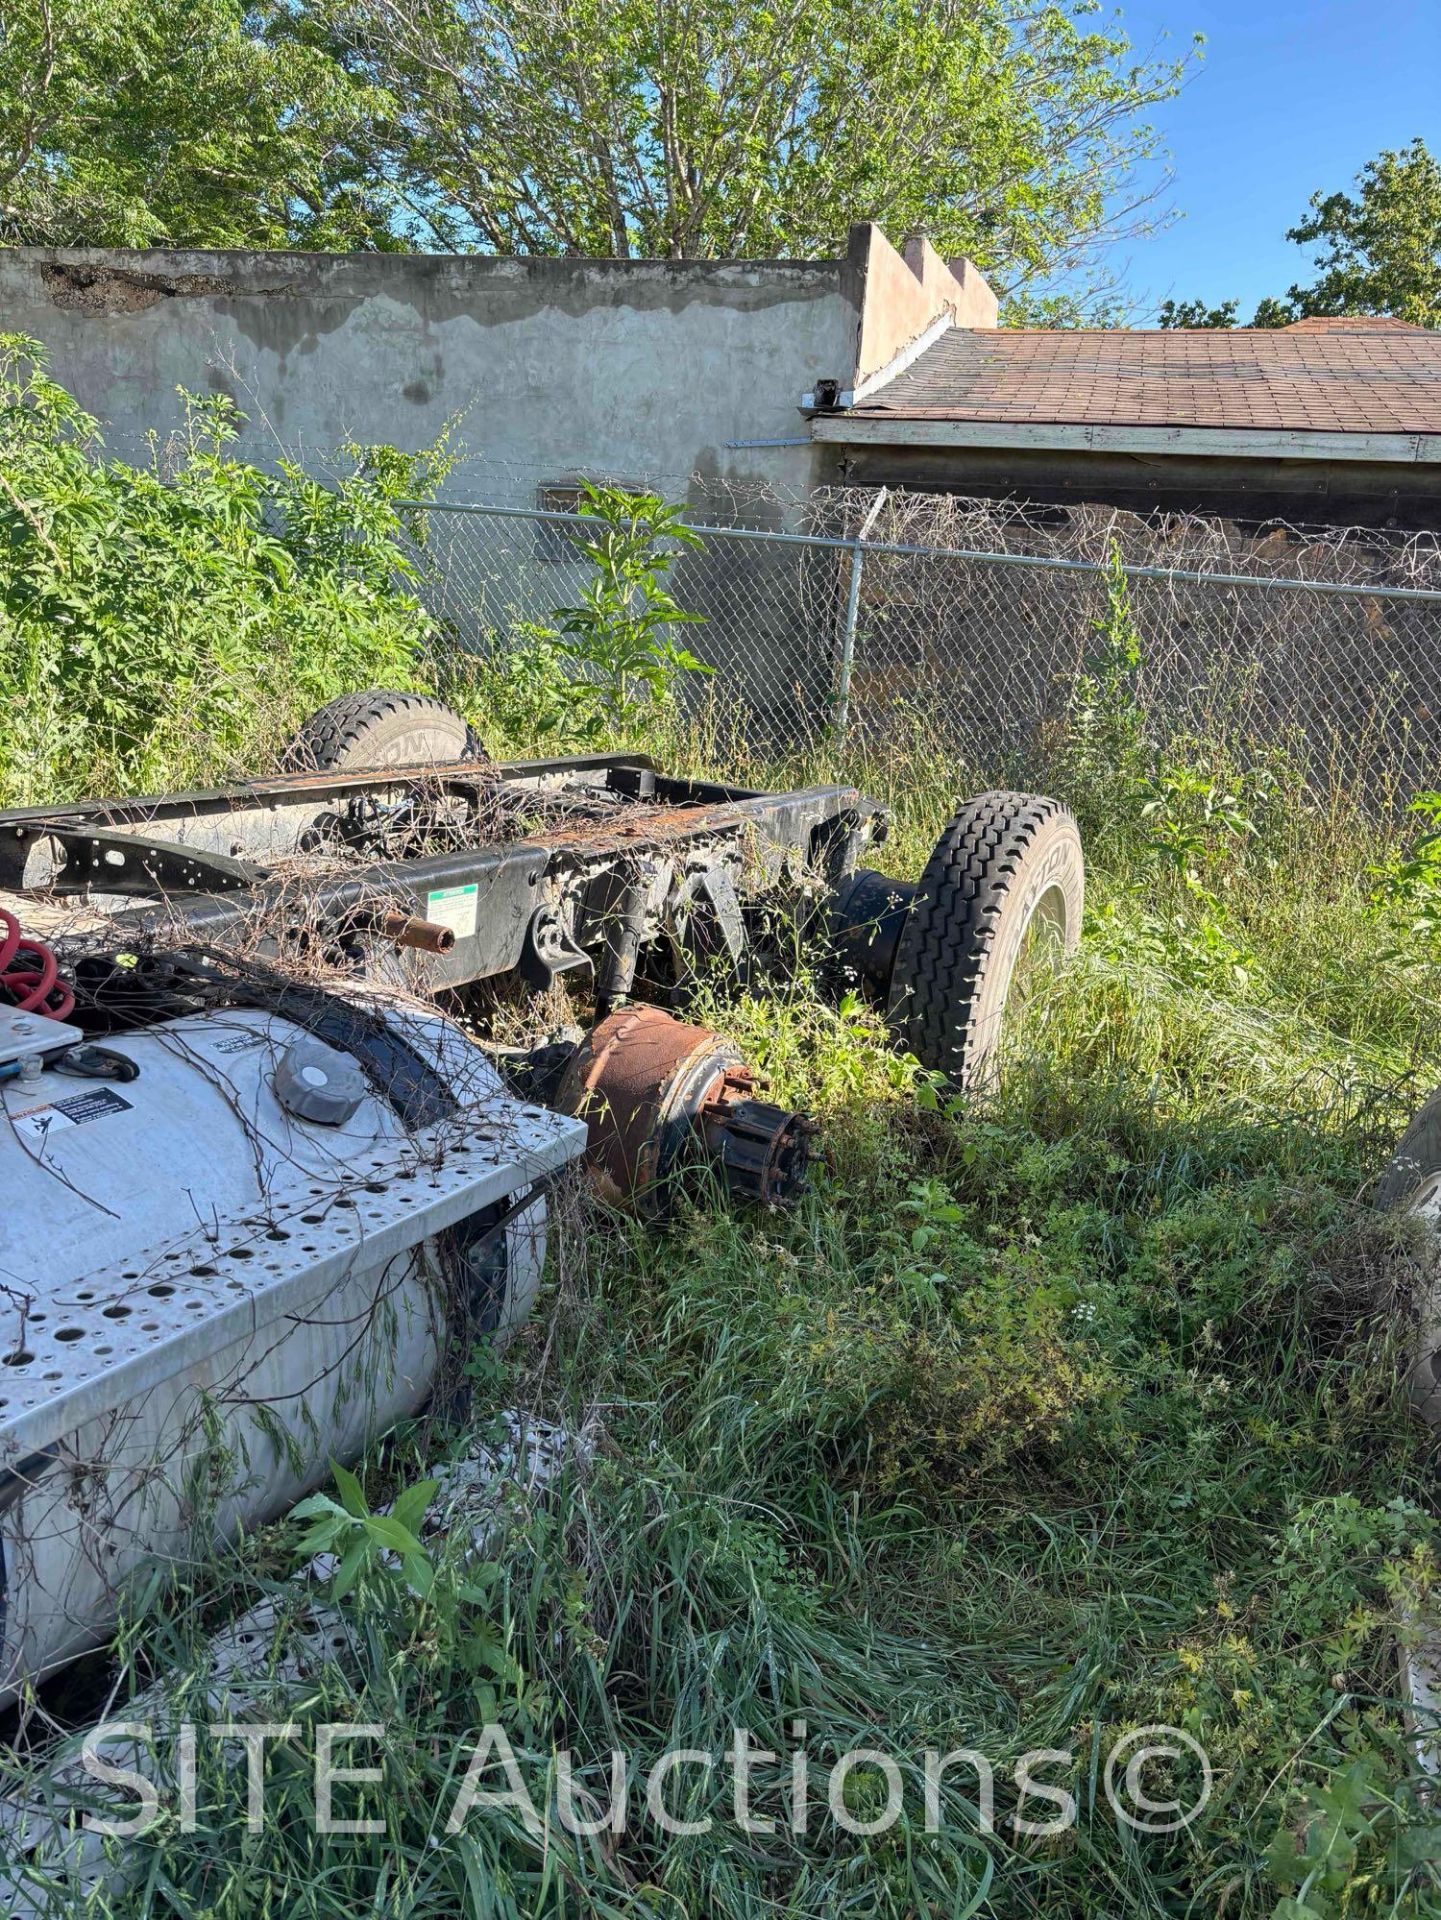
(983,641)
(853,608)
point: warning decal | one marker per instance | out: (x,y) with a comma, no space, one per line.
(76,1110)
(454,907)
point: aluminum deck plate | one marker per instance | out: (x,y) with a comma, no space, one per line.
(89,1349)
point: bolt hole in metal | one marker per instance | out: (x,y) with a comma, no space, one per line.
(21,1357)
(70,1333)
(119,1311)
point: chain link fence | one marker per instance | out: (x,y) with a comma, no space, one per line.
(979,623)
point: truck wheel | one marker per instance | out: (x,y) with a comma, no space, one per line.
(1412,1183)
(382,729)
(1006,881)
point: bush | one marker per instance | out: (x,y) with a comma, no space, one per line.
(165,623)
(609,666)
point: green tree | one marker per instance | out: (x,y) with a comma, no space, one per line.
(181,122)
(1379,248)
(1195,313)
(692,128)
(1271,312)
(1379,251)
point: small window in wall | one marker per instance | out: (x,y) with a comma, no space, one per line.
(553,537)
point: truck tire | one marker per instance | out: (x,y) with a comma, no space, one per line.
(379,728)
(1007,871)
(1412,1184)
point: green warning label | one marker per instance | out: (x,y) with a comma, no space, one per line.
(454,907)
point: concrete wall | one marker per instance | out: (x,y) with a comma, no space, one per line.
(635,370)
(901,295)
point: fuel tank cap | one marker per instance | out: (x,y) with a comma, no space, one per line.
(319,1083)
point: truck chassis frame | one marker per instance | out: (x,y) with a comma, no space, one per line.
(536,868)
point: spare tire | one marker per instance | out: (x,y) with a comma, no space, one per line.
(1006,876)
(380,728)
(1412,1184)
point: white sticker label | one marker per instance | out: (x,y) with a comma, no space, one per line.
(75,1111)
(239,1043)
(454,907)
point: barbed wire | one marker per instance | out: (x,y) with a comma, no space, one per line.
(979,618)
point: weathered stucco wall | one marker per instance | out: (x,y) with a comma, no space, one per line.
(684,376)
(636,370)
(901,295)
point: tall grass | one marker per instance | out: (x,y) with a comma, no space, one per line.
(1046,1417)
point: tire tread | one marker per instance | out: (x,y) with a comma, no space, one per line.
(954,920)
(343,723)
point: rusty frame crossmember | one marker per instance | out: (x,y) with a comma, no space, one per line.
(586,892)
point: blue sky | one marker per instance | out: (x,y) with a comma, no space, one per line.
(1292,95)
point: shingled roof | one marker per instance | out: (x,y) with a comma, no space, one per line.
(1321,376)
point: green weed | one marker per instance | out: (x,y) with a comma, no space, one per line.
(168,624)
(1046,1418)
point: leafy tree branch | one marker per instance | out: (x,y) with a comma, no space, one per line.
(1378,251)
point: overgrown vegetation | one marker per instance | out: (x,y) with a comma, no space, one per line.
(611,664)
(158,623)
(162,625)
(1047,1418)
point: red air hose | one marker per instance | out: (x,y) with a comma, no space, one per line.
(29,977)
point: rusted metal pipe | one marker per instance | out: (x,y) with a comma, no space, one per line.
(409,930)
